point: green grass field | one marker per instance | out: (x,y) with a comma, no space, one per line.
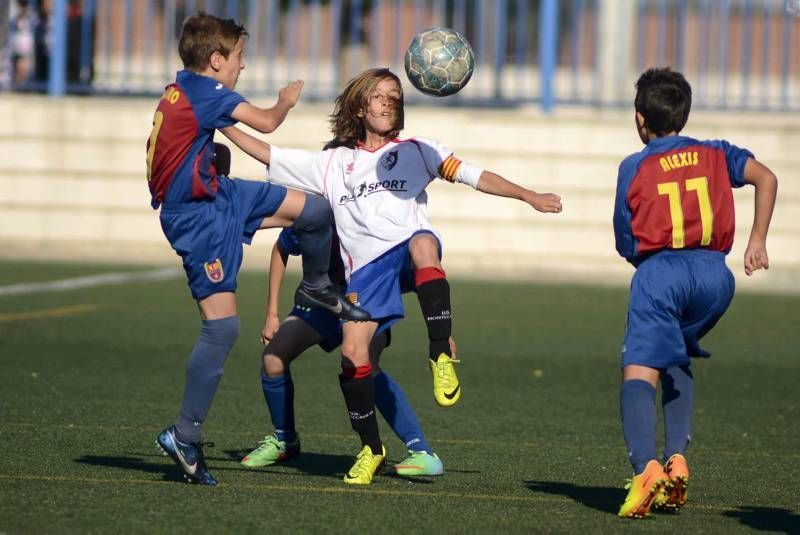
(88,377)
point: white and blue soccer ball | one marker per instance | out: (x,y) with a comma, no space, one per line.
(439,61)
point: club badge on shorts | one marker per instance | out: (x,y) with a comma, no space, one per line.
(353,298)
(214,271)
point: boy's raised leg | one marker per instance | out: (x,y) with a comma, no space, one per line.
(310,215)
(433,292)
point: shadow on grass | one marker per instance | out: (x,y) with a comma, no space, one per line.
(326,465)
(604,499)
(766,518)
(309,462)
(169,471)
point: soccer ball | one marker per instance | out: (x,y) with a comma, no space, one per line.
(439,62)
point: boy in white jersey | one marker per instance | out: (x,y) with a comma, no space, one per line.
(376,184)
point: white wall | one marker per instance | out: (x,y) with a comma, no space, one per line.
(73,185)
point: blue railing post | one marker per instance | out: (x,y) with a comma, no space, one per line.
(548,48)
(57,77)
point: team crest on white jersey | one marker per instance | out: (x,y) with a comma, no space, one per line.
(214,271)
(389,160)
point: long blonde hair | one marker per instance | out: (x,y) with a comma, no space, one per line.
(347,124)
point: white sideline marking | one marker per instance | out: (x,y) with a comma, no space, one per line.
(89,281)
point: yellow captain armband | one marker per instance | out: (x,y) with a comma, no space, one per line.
(449,167)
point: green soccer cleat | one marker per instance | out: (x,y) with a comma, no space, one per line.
(366,466)
(446,388)
(271,451)
(420,463)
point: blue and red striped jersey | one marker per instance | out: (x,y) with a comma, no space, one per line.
(676,194)
(180,150)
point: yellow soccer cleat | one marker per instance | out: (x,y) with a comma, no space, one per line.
(367,465)
(646,489)
(446,388)
(678,471)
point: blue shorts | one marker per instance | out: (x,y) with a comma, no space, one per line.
(328,327)
(208,235)
(378,286)
(676,298)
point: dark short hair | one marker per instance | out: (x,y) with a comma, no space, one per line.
(202,35)
(664,98)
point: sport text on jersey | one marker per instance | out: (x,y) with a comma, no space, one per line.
(364,189)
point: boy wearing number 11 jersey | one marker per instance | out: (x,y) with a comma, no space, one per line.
(674,221)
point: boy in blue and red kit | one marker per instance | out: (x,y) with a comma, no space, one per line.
(206,217)
(674,221)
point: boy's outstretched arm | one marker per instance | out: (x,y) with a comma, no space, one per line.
(494,184)
(766,184)
(277,269)
(269,119)
(249,144)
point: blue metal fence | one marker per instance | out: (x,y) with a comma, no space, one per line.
(738,54)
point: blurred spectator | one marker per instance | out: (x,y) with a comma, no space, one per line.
(76,73)
(21,44)
(43,41)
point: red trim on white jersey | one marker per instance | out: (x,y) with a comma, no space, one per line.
(360,145)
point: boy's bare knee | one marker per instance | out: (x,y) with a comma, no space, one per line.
(273,365)
(424,250)
(354,355)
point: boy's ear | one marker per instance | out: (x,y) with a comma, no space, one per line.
(215,61)
(639,120)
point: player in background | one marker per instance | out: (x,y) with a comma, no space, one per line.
(375,183)
(304,328)
(206,217)
(674,221)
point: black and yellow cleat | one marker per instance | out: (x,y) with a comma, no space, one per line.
(446,388)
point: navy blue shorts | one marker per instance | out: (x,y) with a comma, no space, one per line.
(676,298)
(379,286)
(208,235)
(328,327)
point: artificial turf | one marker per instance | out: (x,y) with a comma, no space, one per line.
(88,377)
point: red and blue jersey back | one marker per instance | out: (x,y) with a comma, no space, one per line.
(676,194)
(180,150)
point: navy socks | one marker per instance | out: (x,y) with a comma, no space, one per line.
(203,374)
(677,401)
(392,403)
(279,395)
(638,409)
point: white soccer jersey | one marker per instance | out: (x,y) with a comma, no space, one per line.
(378,197)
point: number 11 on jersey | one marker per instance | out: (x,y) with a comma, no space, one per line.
(673,192)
